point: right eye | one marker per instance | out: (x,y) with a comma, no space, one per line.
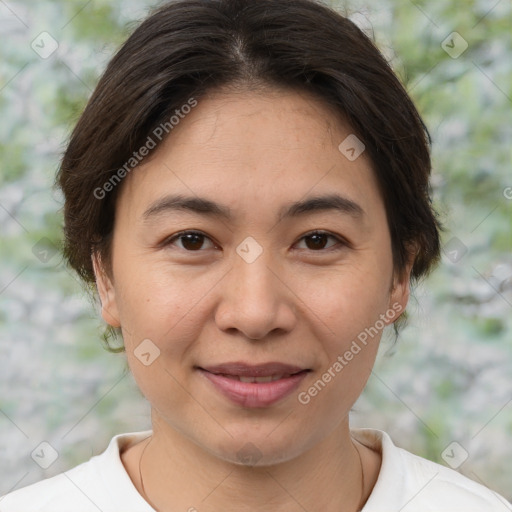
(191,241)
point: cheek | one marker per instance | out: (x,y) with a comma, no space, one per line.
(347,300)
(350,328)
(169,307)
(154,297)
(161,316)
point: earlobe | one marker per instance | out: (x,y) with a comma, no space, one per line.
(399,296)
(401,290)
(106,291)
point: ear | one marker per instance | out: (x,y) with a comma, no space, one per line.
(399,297)
(107,293)
(400,290)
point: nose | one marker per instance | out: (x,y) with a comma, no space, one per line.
(256,300)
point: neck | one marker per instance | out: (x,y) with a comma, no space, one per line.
(178,474)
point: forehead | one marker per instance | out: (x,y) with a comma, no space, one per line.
(237,147)
(279,118)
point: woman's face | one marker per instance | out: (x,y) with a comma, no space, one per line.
(256,286)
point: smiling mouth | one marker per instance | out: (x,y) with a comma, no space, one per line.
(263,372)
(254,386)
(269,378)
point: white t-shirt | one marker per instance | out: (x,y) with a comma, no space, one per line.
(406,483)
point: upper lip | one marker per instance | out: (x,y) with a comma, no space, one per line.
(257,370)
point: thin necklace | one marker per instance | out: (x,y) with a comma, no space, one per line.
(362,480)
(359,508)
(145,496)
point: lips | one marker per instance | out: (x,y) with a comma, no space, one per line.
(254,385)
(241,378)
(240,369)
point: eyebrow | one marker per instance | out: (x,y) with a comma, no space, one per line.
(204,206)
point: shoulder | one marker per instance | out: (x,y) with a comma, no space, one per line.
(408,483)
(71,487)
(98,484)
(441,488)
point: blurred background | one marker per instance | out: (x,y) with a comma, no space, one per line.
(442,391)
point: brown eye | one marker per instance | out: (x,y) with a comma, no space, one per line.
(317,240)
(191,241)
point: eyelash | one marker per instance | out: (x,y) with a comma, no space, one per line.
(341,243)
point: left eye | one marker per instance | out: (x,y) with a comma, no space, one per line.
(318,239)
(192,241)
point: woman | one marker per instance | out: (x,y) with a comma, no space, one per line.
(248,190)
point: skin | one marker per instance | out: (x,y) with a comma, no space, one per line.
(253,152)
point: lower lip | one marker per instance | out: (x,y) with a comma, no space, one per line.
(254,394)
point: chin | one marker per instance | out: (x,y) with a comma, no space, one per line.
(258,450)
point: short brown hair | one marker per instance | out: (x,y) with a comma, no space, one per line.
(187,48)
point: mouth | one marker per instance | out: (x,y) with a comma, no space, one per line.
(254,385)
(268,371)
(270,378)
